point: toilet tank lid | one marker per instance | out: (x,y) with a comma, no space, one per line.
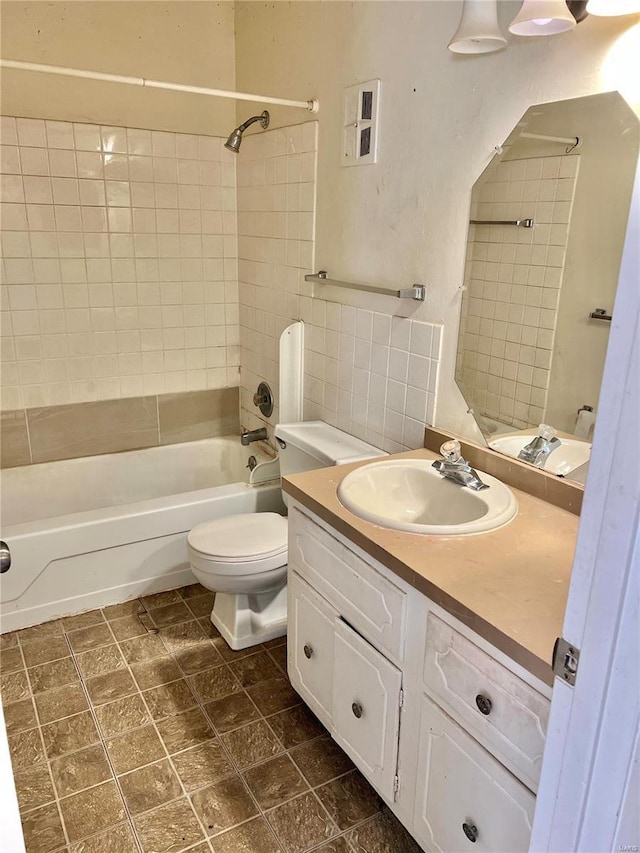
(326,443)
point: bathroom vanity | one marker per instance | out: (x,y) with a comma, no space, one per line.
(428,658)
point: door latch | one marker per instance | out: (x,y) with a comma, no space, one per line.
(565,661)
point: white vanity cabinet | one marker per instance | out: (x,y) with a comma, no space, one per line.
(447,729)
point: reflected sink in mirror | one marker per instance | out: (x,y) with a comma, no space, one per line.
(410,495)
(563,460)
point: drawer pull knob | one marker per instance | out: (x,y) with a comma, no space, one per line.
(470,831)
(357,710)
(308,651)
(484,704)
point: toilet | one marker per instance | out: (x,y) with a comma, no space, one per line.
(243,558)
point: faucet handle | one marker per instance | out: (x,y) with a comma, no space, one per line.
(451,450)
(546,432)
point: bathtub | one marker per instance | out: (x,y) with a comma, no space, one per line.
(85,533)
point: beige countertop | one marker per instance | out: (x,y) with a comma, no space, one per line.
(509,585)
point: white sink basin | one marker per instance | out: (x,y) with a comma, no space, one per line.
(409,494)
(568,456)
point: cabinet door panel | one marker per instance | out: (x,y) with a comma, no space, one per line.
(460,784)
(366,710)
(311,646)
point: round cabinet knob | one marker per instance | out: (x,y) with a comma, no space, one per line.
(308,651)
(470,831)
(484,704)
(357,710)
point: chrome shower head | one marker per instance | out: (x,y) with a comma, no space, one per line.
(234,141)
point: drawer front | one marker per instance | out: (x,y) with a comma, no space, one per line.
(366,707)
(461,785)
(311,646)
(464,677)
(366,599)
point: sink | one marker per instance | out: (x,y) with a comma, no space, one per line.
(570,454)
(410,495)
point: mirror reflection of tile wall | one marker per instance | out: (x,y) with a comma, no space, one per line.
(512,287)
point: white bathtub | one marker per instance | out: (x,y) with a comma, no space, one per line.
(88,532)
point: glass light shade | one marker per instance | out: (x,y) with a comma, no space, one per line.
(542,18)
(478,31)
(611,8)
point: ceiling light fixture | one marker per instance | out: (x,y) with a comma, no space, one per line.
(478,31)
(542,18)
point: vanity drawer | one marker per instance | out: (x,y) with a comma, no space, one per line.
(507,715)
(370,602)
(465,799)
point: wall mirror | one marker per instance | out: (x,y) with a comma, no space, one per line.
(547,229)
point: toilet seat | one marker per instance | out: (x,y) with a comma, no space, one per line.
(245,544)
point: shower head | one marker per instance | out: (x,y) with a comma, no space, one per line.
(234,141)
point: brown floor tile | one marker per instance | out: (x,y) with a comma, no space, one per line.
(201,605)
(127,627)
(275,781)
(254,669)
(252,743)
(14,687)
(111,686)
(296,725)
(11,660)
(193,589)
(279,655)
(117,839)
(122,715)
(274,695)
(336,845)
(171,614)
(276,642)
(91,811)
(26,749)
(202,765)
(34,787)
(383,834)
(80,770)
(179,637)
(210,629)
(160,599)
(43,830)
(143,648)
(223,805)
(155,672)
(214,683)
(169,829)
(20,716)
(196,658)
(150,787)
(185,730)
(82,620)
(349,799)
(64,702)
(232,711)
(169,699)
(69,734)
(301,823)
(134,749)
(321,760)
(43,651)
(125,608)
(255,836)
(45,631)
(90,638)
(51,675)
(228,654)
(99,661)
(8,640)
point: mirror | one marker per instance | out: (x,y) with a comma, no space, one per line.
(548,223)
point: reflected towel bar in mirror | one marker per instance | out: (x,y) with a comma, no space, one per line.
(416,291)
(525,223)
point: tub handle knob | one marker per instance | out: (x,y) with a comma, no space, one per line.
(5,558)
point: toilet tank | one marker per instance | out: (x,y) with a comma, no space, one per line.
(314,444)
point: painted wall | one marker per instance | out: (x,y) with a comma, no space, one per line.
(405,219)
(184,42)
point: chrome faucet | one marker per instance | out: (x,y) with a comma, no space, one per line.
(250,435)
(454,467)
(537,451)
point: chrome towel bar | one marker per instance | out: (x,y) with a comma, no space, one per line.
(416,291)
(524,223)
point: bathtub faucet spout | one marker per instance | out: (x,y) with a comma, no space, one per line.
(248,436)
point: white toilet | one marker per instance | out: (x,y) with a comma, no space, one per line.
(243,558)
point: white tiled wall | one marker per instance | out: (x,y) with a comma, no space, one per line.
(119,270)
(512,287)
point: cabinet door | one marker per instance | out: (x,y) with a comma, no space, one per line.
(311,646)
(465,799)
(366,707)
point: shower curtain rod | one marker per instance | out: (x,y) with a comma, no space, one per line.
(311,105)
(567,140)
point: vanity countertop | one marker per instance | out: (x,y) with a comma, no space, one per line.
(509,585)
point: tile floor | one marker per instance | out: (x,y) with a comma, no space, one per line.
(136,728)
